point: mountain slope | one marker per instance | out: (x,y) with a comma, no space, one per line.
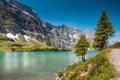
(17,18)
(19,43)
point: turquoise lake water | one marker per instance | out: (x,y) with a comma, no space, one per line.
(35,65)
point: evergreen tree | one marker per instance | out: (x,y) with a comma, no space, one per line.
(81,47)
(104,30)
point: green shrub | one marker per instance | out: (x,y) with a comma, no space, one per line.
(60,73)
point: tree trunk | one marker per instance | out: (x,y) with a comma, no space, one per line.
(83,57)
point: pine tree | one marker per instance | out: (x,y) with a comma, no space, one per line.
(81,47)
(104,30)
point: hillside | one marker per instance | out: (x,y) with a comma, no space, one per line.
(115,45)
(24,43)
(18,42)
(95,68)
(17,18)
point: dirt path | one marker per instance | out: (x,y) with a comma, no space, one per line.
(114,58)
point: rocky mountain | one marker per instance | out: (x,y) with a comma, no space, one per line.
(16,18)
(25,9)
(89,35)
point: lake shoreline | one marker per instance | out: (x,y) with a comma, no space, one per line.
(33,49)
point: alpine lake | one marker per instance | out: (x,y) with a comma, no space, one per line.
(35,65)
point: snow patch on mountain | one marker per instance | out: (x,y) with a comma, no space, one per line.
(27,13)
(70,35)
(27,38)
(75,36)
(23,11)
(10,35)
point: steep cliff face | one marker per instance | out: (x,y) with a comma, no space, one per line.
(65,36)
(25,9)
(17,18)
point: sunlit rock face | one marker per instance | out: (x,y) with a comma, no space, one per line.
(63,36)
(17,18)
(89,35)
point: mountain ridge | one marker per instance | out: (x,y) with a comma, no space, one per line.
(18,18)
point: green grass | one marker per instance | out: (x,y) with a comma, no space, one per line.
(21,38)
(100,69)
(4,38)
(4,42)
(31,42)
(36,48)
(22,45)
(116,45)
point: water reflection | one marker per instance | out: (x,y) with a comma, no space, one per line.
(10,61)
(73,58)
(26,60)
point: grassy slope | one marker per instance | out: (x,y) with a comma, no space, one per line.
(21,44)
(116,45)
(4,42)
(95,68)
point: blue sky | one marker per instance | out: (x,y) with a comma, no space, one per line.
(82,14)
